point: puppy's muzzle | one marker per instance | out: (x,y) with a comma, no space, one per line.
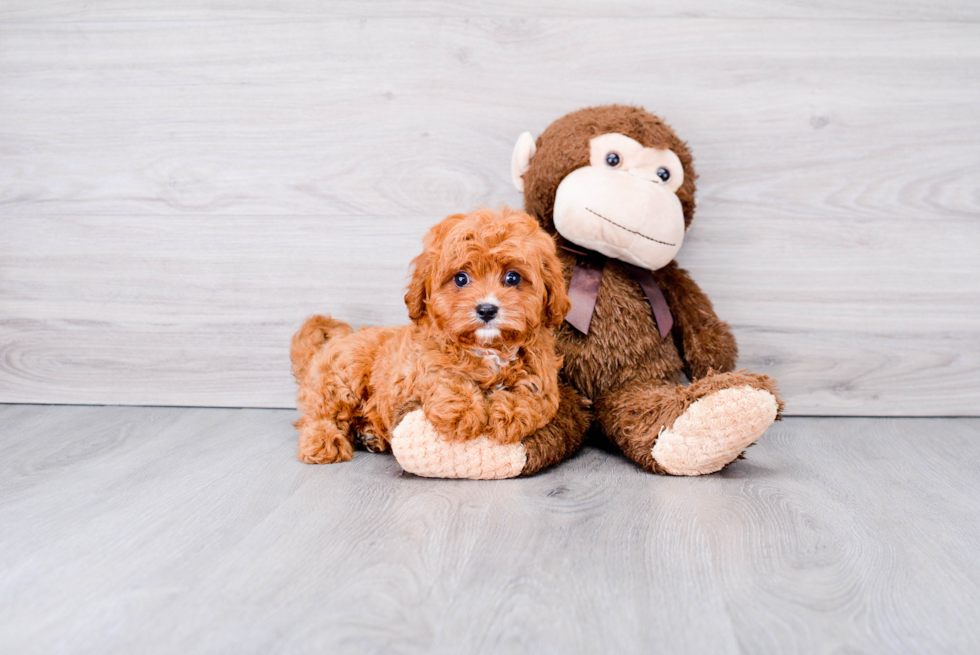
(487,311)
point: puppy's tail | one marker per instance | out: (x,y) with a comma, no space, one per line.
(316,331)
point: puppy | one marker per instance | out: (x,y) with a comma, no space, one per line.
(485,297)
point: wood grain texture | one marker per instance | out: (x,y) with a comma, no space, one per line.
(180,184)
(393,116)
(196,530)
(199,310)
(246,10)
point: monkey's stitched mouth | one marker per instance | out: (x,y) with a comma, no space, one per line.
(621,227)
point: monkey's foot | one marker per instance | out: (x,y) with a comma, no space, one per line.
(422,451)
(714,430)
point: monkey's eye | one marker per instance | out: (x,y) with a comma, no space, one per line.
(663,174)
(461,279)
(612,159)
(512,279)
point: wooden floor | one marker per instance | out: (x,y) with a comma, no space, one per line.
(141,530)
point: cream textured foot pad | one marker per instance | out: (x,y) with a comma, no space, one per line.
(420,450)
(714,430)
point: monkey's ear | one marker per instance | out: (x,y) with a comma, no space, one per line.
(416,294)
(520,161)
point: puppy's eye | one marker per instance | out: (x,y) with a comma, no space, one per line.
(663,174)
(512,279)
(613,159)
(461,279)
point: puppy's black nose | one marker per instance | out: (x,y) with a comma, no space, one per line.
(486,312)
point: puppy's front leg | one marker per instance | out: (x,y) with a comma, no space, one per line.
(522,410)
(455,406)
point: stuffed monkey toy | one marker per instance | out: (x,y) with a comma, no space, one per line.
(615,186)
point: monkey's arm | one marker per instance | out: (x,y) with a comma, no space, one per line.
(562,436)
(706,341)
(422,450)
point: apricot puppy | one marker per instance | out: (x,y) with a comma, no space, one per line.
(485,298)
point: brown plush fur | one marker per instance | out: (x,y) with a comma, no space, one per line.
(562,436)
(622,365)
(633,417)
(468,384)
(564,146)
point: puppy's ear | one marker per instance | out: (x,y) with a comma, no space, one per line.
(557,302)
(424,266)
(417,294)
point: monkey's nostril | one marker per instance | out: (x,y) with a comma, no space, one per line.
(486,312)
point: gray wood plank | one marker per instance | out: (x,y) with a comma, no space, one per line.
(199,310)
(258,10)
(182,184)
(196,530)
(393,117)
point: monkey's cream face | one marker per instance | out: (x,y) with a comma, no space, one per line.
(624,203)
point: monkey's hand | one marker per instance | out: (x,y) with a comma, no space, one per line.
(421,450)
(709,347)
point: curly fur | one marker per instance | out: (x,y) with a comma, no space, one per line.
(471,378)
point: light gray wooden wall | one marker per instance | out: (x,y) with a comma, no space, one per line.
(181,183)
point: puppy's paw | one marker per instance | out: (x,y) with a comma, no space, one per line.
(510,420)
(459,418)
(472,424)
(324,443)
